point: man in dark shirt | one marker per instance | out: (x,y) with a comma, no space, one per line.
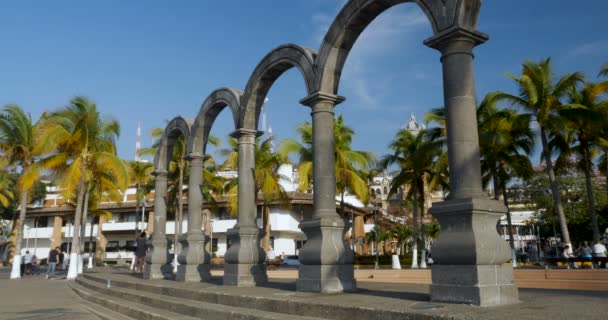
(53,255)
(140,252)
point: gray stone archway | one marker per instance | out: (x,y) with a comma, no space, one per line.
(157,259)
(469,254)
(245,259)
(194,259)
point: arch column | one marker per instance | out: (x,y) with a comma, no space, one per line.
(326,263)
(194,259)
(469,255)
(245,260)
(158,256)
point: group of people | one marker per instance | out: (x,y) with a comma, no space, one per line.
(30,265)
(584,251)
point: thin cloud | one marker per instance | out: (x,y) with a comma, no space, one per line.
(599,47)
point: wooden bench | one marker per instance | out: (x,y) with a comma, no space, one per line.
(595,261)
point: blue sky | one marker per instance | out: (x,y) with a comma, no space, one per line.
(150,61)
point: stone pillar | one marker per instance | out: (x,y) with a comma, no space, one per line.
(194,259)
(158,256)
(326,263)
(469,255)
(57,232)
(245,260)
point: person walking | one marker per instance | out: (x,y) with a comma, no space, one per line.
(52,260)
(140,253)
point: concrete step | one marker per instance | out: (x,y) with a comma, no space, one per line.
(104,313)
(182,306)
(122,309)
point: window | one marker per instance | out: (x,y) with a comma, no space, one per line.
(112,246)
(130,245)
(42,222)
(90,246)
(272,242)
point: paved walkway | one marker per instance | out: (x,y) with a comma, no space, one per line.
(36,298)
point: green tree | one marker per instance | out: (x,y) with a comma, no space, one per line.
(505,142)
(540,96)
(586,117)
(350,164)
(18,147)
(415,155)
(140,175)
(76,138)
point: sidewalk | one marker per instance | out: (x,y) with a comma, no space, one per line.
(36,298)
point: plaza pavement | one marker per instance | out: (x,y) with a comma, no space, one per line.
(36,298)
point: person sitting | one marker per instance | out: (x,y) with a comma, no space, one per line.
(599,251)
(566,255)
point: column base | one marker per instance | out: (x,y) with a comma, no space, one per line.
(326,278)
(244,264)
(193,260)
(193,273)
(327,264)
(245,275)
(480,285)
(157,266)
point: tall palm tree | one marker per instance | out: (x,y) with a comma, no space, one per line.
(267,179)
(6,185)
(506,142)
(140,176)
(541,96)
(415,154)
(350,164)
(586,116)
(77,138)
(17,143)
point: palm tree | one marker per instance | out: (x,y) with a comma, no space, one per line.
(17,142)
(267,179)
(506,142)
(416,155)
(586,115)
(403,233)
(350,164)
(79,139)
(604,70)
(141,176)
(540,96)
(6,185)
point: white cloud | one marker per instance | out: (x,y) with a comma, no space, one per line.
(599,47)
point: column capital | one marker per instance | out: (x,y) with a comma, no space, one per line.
(318,96)
(196,156)
(441,40)
(242,132)
(160,173)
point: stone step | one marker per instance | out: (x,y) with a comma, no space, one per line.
(121,309)
(182,306)
(290,304)
(104,313)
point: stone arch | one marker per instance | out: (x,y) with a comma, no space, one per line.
(272,66)
(211,108)
(356,15)
(176,127)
